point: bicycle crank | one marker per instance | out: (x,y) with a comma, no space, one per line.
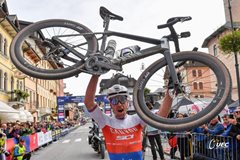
(98,64)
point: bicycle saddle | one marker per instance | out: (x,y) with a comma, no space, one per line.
(104,12)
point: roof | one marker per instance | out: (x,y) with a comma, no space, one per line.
(226,26)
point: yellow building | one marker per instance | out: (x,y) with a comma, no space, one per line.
(41,94)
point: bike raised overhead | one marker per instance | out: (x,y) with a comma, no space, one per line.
(57,49)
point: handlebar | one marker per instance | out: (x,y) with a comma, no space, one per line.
(174,20)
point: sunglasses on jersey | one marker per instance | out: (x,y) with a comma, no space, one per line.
(116,100)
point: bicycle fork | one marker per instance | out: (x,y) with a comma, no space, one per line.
(168,57)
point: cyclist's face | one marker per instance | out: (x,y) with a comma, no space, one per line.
(119,106)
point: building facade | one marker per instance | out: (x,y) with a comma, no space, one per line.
(40,95)
(212,41)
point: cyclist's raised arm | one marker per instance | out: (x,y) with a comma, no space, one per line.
(165,107)
(90,93)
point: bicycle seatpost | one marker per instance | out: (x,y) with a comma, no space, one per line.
(106,22)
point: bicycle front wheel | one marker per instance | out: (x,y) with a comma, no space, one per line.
(205,89)
(52,49)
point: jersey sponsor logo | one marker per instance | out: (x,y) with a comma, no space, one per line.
(123,131)
(126,137)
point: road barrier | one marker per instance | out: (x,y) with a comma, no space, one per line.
(36,140)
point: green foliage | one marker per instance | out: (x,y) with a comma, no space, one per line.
(21,94)
(230,43)
(146,91)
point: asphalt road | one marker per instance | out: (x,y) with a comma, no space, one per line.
(73,146)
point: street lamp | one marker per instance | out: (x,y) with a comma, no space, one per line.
(235,54)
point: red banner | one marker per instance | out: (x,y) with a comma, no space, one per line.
(10,143)
(33,141)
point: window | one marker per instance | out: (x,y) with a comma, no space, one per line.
(194,73)
(5,49)
(17,84)
(12,83)
(20,85)
(199,73)
(1,79)
(200,85)
(1,43)
(196,96)
(5,81)
(201,96)
(215,50)
(195,85)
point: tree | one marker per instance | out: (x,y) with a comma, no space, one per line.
(146,91)
(230,43)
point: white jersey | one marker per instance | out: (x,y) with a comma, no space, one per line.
(123,137)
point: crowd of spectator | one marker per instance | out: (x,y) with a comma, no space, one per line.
(18,129)
(218,139)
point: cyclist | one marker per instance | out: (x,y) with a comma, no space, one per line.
(122,132)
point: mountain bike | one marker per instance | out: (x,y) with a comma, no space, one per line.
(56,49)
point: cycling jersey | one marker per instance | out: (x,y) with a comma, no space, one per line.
(123,137)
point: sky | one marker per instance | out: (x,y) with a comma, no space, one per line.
(141,17)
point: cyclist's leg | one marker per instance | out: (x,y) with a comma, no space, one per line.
(152,144)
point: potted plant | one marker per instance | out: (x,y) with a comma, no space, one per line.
(230,43)
(21,95)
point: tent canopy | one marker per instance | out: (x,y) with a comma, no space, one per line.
(183,102)
(4,108)
(7,113)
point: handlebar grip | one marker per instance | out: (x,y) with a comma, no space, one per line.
(186,18)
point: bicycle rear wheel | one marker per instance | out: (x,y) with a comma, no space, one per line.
(205,89)
(52,49)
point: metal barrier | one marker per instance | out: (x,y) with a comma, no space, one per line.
(198,146)
(215,147)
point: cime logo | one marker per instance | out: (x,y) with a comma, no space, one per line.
(215,143)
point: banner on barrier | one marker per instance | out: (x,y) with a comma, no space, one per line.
(33,141)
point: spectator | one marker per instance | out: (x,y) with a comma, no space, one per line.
(5,129)
(20,152)
(225,121)
(2,145)
(15,132)
(237,115)
(183,141)
(172,141)
(232,130)
(200,137)
(154,138)
(212,129)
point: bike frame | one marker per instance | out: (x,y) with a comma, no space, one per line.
(161,46)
